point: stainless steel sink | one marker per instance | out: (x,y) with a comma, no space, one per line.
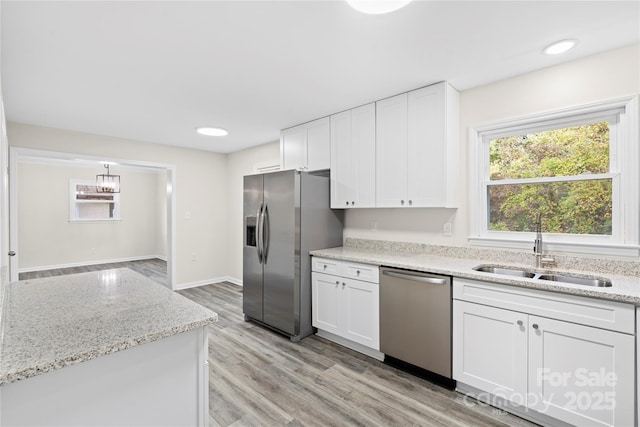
(551,277)
(508,271)
(577,280)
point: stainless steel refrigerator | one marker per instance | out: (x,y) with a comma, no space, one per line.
(286,215)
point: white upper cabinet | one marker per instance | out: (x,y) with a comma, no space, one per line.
(391,151)
(353,148)
(307,146)
(416,148)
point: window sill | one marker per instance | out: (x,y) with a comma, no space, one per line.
(603,249)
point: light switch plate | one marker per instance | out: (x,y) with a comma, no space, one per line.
(446,229)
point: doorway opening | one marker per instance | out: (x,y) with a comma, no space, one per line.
(46,233)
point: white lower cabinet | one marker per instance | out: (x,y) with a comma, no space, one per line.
(346,307)
(566,371)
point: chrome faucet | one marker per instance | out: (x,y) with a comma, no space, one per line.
(541,260)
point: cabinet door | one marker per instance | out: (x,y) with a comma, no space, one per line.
(363,145)
(426,147)
(341,160)
(580,374)
(291,148)
(318,142)
(326,302)
(391,152)
(361,312)
(490,349)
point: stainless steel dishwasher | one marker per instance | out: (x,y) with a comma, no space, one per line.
(415,322)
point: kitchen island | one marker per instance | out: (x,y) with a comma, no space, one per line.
(109,348)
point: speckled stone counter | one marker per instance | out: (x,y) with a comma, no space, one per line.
(59,321)
(459,262)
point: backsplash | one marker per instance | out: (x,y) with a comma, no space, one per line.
(563,262)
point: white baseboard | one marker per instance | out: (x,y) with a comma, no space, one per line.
(83,263)
(207,282)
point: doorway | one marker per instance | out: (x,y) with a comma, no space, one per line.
(147,199)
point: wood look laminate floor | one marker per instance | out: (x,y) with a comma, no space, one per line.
(260,378)
(155,269)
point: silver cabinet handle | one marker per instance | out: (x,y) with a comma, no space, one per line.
(419,278)
(402,202)
(410,202)
(337,282)
(12,253)
(534,326)
(347,202)
(520,323)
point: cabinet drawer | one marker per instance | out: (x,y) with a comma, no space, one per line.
(324,265)
(610,315)
(351,270)
(366,272)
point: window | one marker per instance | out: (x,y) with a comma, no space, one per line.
(86,204)
(577,168)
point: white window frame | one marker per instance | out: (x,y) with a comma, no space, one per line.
(73,202)
(623,115)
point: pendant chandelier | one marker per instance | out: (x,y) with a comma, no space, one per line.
(107,183)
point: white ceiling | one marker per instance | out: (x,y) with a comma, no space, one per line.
(155,70)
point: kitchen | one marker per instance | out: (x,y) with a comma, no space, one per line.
(577,82)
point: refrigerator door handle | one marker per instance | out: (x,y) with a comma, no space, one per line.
(259,234)
(265,233)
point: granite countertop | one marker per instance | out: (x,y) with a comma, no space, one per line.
(54,322)
(625,288)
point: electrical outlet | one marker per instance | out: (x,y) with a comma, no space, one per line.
(446,230)
(373,226)
(193,256)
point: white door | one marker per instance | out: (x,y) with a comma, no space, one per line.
(391,152)
(426,147)
(580,374)
(318,143)
(326,302)
(341,160)
(363,145)
(361,312)
(490,350)
(291,148)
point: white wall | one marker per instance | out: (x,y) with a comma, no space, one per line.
(48,239)
(609,75)
(239,164)
(201,190)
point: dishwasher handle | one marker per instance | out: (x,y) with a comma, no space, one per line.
(415,277)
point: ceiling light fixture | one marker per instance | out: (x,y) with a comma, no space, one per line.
(559,47)
(107,183)
(377,7)
(211,131)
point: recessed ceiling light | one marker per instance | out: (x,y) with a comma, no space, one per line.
(211,131)
(377,7)
(559,47)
